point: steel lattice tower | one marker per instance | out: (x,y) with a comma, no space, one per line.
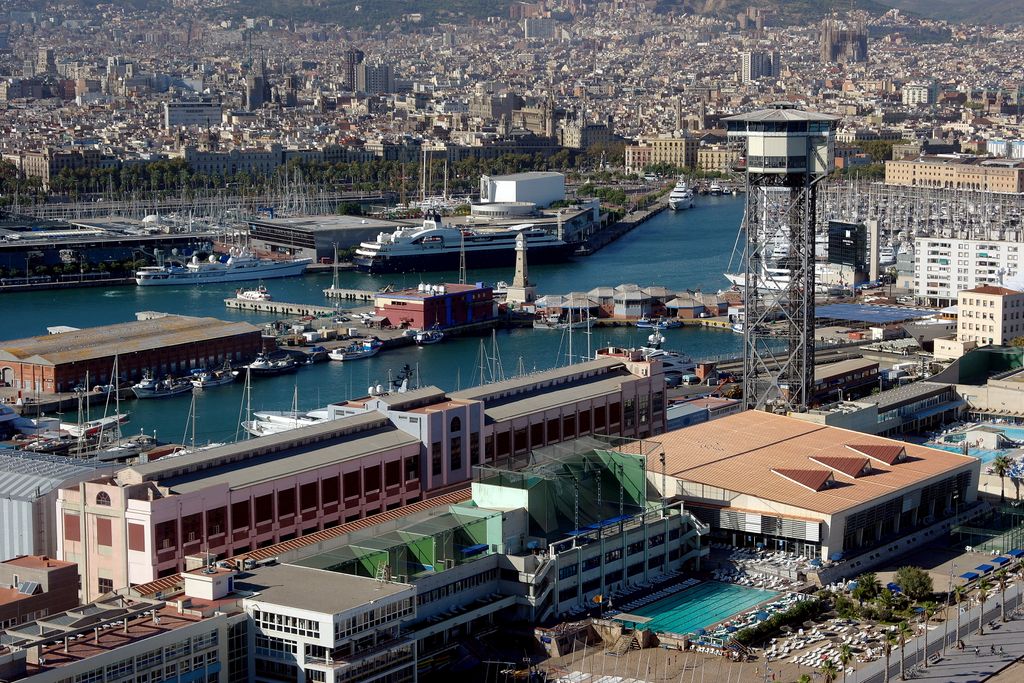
(788,152)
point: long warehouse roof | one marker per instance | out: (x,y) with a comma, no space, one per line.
(120,338)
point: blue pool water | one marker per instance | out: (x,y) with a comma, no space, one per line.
(700,606)
(983,454)
(1015,433)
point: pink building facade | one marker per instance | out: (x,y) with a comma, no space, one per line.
(379,453)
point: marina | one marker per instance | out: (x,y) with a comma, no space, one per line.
(654,253)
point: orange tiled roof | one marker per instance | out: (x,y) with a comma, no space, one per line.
(739,453)
(889,454)
(815,480)
(851,467)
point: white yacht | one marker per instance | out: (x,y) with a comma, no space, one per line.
(235,266)
(681,196)
(436,246)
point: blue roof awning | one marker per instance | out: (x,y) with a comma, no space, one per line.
(984,568)
(970,576)
(474,549)
(1000,560)
(1016,552)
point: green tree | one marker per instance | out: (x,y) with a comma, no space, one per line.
(984,586)
(804,678)
(915,582)
(928,610)
(868,587)
(828,671)
(903,634)
(845,657)
(1002,581)
(1001,467)
(959,594)
(890,641)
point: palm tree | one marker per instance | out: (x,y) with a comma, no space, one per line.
(928,609)
(1002,580)
(829,671)
(983,588)
(959,593)
(845,657)
(890,641)
(903,632)
(868,587)
(1001,467)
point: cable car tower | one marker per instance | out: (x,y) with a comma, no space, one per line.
(788,152)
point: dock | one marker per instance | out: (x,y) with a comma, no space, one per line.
(366,295)
(282,308)
(631,220)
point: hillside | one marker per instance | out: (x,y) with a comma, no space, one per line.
(988,11)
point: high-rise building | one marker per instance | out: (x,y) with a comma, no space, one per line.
(257,91)
(353,58)
(46,61)
(846,45)
(540,28)
(374,78)
(755,64)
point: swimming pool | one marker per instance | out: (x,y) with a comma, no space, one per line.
(1015,433)
(983,454)
(701,606)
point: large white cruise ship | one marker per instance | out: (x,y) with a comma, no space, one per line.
(235,266)
(681,196)
(436,246)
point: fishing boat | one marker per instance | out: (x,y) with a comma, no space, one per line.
(427,337)
(206,379)
(150,387)
(555,322)
(357,350)
(258,294)
(264,366)
(658,323)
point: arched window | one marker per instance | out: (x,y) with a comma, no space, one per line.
(103,499)
(456,424)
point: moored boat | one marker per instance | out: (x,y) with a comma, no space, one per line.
(236,266)
(265,366)
(427,337)
(150,387)
(357,350)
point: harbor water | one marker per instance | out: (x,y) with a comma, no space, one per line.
(685,250)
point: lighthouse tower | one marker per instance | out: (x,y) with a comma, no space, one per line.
(521,291)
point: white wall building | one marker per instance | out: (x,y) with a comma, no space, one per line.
(945,267)
(539,187)
(990,315)
(204,114)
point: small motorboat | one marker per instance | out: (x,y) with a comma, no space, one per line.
(357,350)
(258,294)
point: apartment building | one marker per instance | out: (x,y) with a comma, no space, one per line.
(945,267)
(990,315)
(676,151)
(34,586)
(718,157)
(958,172)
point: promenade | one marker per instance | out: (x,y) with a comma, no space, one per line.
(963,666)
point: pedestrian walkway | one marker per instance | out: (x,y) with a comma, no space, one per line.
(963,666)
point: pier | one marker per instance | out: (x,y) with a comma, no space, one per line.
(350,294)
(631,220)
(282,308)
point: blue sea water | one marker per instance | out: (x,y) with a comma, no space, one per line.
(689,249)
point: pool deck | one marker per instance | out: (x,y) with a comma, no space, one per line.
(689,609)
